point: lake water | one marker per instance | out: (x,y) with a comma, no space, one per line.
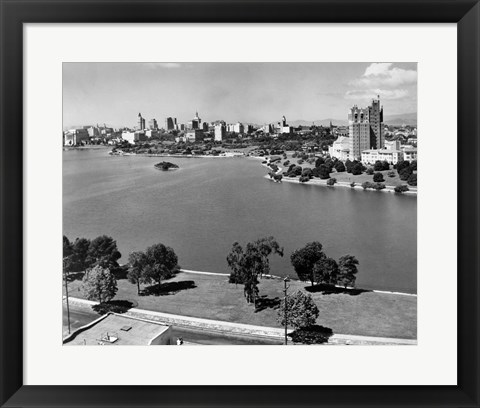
(201,209)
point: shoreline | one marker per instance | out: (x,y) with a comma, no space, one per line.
(319,182)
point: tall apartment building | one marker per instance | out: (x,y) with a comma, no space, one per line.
(365,129)
(377,135)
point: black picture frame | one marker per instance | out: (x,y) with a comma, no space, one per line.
(465,13)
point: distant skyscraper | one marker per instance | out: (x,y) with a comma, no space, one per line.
(152,124)
(365,129)
(195,122)
(219,132)
(170,123)
(141,122)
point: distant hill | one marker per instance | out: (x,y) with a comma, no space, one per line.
(401,119)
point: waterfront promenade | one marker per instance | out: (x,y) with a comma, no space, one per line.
(210,296)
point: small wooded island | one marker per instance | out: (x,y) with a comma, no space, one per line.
(165,166)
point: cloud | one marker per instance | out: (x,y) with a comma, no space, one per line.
(385,75)
(372,93)
(167,65)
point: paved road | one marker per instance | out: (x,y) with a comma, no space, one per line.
(78,317)
(81,316)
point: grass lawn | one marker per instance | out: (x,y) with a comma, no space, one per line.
(212,297)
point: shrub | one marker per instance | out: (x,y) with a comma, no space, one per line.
(300,161)
(307,173)
(352,184)
(401,189)
(378,178)
(311,335)
(391,173)
(367,184)
(369,171)
(378,186)
(304,179)
(331,181)
(286,163)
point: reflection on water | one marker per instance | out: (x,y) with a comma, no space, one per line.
(206,205)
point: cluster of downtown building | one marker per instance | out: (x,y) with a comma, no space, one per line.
(197,131)
(193,131)
(364,139)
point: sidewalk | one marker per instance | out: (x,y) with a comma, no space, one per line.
(241,329)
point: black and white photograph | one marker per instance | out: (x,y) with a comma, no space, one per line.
(239,203)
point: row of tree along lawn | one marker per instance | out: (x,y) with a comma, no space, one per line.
(97,260)
(159,262)
(310,264)
(407,171)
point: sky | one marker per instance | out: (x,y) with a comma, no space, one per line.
(114,93)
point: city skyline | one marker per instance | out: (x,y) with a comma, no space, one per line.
(114,93)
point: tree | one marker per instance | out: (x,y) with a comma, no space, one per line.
(401,165)
(319,161)
(250,263)
(378,178)
(349,165)
(357,169)
(347,270)
(369,171)
(301,310)
(339,166)
(99,284)
(386,165)
(331,181)
(136,261)
(74,254)
(378,166)
(324,172)
(304,259)
(405,173)
(326,271)
(160,262)
(412,179)
(103,251)
(391,173)
(67,254)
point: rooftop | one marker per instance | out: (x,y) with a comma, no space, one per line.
(115,329)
